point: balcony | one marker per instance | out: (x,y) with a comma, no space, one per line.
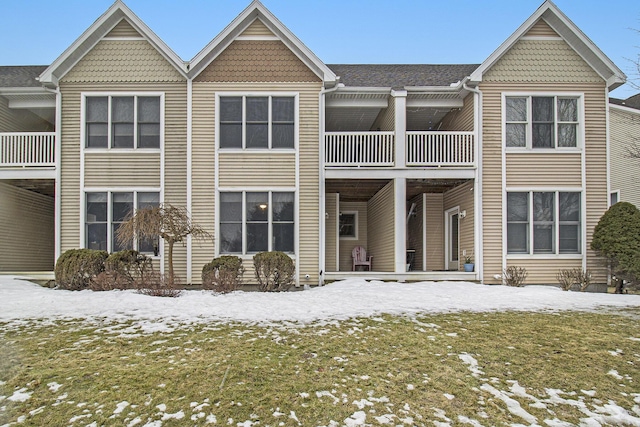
(425,149)
(27,149)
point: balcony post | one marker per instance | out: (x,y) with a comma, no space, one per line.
(400,99)
(400,225)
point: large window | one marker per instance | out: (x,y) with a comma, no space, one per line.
(122,122)
(106,211)
(253,222)
(543,222)
(541,122)
(260,122)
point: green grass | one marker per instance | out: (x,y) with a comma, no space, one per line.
(403,368)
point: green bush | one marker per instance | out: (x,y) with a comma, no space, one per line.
(617,238)
(223,274)
(274,271)
(130,264)
(76,268)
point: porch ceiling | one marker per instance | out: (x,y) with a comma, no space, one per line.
(361,190)
(42,186)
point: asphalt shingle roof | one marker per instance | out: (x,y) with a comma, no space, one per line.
(400,75)
(20,75)
(631,102)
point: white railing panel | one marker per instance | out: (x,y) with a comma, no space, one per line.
(27,149)
(438,149)
(357,149)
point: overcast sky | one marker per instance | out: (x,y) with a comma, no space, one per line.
(35,32)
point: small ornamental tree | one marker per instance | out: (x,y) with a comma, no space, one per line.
(172,223)
(617,238)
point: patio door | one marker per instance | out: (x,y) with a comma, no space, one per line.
(452,239)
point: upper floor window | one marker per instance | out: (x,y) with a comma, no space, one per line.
(122,122)
(541,122)
(257,122)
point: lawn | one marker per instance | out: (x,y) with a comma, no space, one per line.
(489,368)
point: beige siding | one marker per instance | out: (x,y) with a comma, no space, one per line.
(27,230)
(415,229)
(257,28)
(541,29)
(386,120)
(462,196)
(123,61)
(123,29)
(462,119)
(347,245)
(116,169)
(625,171)
(250,169)
(543,272)
(261,61)
(12,120)
(435,232)
(331,231)
(380,229)
(529,169)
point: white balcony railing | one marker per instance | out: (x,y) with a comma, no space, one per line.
(438,149)
(27,149)
(358,149)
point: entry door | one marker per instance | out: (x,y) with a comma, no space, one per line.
(452,239)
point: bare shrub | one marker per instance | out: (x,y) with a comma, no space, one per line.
(576,276)
(274,271)
(566,278)
(223,274)
(158,285)
(109,281)
(514,276)
(583,278)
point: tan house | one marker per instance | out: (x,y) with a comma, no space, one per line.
(271,149)
(624,124)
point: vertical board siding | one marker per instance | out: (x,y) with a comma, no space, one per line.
(462,119)
(380,229)
(462,196)
(624,134)
(415,229)
(27,230)
(330,232)
(116,169)
(347,245)
(12,120)
(435,232)
(537,169)
(250,169)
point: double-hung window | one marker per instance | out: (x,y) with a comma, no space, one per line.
(257,122)
(537,122)
(106,211)
(253,222)
(543,222)
(348,227)
(122,121)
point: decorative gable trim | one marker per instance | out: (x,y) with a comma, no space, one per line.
(96,32)
(570,33)
(238,26)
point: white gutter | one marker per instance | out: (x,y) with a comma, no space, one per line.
(477,186)
(321,191)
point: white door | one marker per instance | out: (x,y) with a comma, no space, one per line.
(452,239)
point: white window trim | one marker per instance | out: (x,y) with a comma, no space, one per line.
(355,225)
(447,237)
(270,190)
(611,193)
(580,133)
(110,191)
(557,254)
(109,149)
(244,95)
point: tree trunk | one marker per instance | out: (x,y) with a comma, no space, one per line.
(170,260)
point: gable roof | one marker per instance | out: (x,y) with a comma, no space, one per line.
(254,11)
(397,76)
(571,34)
(15,76)
(630,102)
(101,27)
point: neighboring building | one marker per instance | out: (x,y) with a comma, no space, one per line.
(271,149)
(624,130)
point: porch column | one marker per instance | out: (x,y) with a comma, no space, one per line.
(400,99)
(400,229)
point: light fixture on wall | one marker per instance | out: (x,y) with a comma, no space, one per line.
(463,214)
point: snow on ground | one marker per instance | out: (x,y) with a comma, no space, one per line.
(23,300)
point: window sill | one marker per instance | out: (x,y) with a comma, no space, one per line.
(120,150)
(249,257)
(522,150)
(257,150)
(544,256)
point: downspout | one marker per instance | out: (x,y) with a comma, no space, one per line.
(477,186)
(190,177)
(322,214)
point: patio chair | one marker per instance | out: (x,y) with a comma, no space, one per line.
(359,255)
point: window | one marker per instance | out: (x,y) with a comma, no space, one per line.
(122,122)
(614,197)
(541,122)
(253,222)
(257,122)
(348,225)
(543,223)
(106,211)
